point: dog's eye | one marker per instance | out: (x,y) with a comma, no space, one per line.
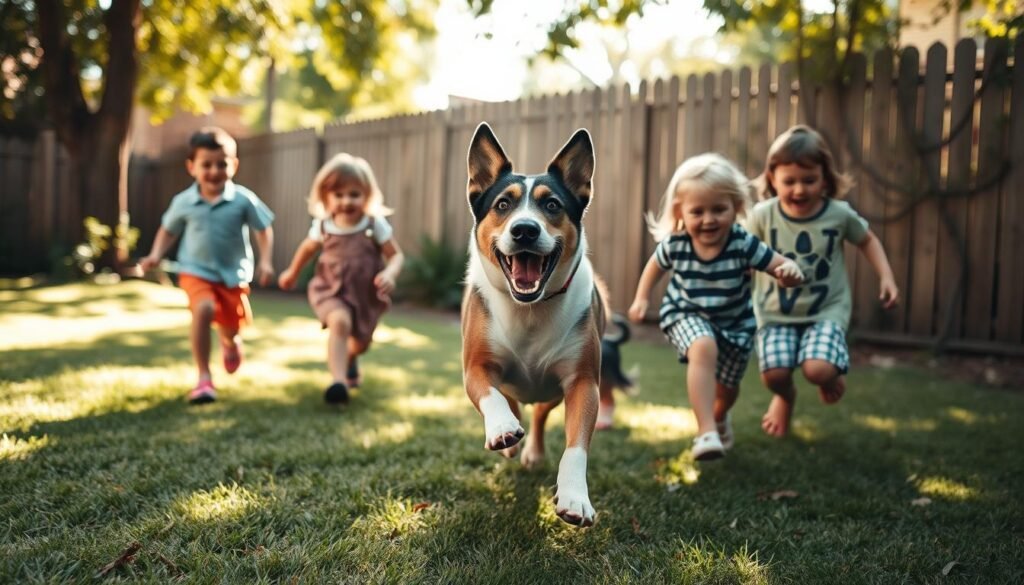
(503,205)
(552,205)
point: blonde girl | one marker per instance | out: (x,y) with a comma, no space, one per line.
(358,265)
(706,311)
(805,326)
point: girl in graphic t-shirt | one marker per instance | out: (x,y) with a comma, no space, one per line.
(801,218)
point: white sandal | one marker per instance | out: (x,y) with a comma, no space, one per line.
(725,432)
(707,447)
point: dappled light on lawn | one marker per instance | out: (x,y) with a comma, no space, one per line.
(650,423)
(392,518)
(450,404)
(968,417)
(224,502)
(14,448)
(385,435)
(945,488)
(401,337)
(892,425)
(73,394)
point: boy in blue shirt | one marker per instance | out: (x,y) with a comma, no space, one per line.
(213,217)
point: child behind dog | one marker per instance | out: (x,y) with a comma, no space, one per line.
(806,326)
(706,311)
(212,218)
(358,265)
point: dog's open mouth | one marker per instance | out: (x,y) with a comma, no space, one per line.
(527,272)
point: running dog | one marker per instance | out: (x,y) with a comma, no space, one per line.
(532,314)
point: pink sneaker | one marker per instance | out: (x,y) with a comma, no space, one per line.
(203,393)
(232,357)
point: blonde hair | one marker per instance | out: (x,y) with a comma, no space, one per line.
(340,169)
(803,146)
(709,171)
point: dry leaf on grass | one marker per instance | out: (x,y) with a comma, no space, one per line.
(421,506)
(778,495)
(126,557)
(920,501)
(733,523)
(949,567)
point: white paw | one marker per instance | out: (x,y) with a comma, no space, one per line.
(532,456)
(501,427)
(572,500)
(573,506)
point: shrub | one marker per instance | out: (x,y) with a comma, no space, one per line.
(434,277)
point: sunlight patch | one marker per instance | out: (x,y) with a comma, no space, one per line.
(14,449)
(39,331)
(943,487)
(890,425)
(658,424)
(387,435)
(393,519)
(967,417)
(393,376)
(223,503)
(430,404)
(401,337)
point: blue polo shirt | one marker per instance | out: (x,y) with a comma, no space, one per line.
(215,236)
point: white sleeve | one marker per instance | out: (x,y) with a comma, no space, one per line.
(315,231)
(382,230)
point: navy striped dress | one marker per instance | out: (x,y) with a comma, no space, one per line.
(718,289)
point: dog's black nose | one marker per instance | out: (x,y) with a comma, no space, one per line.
(525,231)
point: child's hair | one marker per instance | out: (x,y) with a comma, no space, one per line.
(802,145)
(706,171)
(212,138)
(343,168)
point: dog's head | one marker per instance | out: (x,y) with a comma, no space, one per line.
(529,227)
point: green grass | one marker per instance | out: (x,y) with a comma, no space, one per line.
(268,485)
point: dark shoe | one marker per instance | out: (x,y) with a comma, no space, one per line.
(336,393)
(352,377)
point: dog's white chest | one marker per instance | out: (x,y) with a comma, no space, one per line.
(534,352)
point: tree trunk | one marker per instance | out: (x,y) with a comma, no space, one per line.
(96,141)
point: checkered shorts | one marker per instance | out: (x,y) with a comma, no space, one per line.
(788,346)
(732,359)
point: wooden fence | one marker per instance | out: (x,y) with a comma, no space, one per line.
(935,145)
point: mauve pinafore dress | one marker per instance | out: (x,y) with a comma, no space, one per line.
(344,276)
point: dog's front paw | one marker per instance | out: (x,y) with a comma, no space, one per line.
(504,437)
(572,500)
(501,427)
(533,454)
(574,507)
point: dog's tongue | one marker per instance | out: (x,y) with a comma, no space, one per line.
(526,269)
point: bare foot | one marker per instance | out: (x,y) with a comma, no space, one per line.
(775,421)
(832,393)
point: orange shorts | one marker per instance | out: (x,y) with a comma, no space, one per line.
(230,305)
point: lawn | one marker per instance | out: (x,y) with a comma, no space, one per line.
(107,475)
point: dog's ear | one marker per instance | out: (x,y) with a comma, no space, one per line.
(574,165)
(487,162)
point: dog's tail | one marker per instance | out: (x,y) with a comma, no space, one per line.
(611,359)
(624,330)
